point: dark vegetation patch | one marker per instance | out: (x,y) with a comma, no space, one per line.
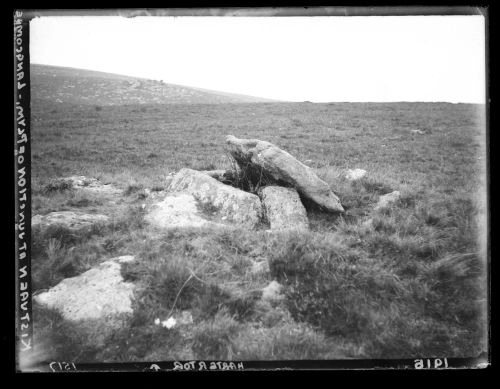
(57,185)
(132,188)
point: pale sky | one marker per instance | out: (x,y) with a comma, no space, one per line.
(320,59)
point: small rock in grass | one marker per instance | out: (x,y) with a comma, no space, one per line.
(92,185)
(185,318)
(272,292)
(367,223)
(355,174)
(259,267)
(387,199)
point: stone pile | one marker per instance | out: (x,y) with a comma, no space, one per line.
(207,198)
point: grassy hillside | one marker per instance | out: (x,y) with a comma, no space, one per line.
(80,86)
(413,282)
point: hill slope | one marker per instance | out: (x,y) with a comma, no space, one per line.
(81,86)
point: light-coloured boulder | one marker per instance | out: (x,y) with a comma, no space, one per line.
(225,202)
(283,208)
(387,199)
(99,293)
(178,210)
(282,166)
(73,221)
(355,174)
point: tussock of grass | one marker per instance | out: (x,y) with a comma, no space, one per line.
(132,188)
(285,342)
(84,200)
(56,260)
(58,339)
(212,339)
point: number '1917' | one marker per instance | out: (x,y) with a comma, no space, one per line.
(62,366)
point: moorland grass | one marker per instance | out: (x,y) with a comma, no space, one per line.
(397,282)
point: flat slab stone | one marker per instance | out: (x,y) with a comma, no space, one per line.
(387,199)
(178,210)
(282,166)
(283,208)
(74,221)
(225,202)
(99,293)
(92,185)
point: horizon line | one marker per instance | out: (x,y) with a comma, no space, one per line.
(271,100)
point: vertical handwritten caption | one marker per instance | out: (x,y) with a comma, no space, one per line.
(21,189)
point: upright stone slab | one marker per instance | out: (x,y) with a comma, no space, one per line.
(283,167)
(283,208)
(225,202)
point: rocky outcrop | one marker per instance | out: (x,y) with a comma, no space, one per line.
(283,208)
(283,167)
(73,221)
(222,201)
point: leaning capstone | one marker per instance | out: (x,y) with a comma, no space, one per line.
(224,202)
(179,210)
(283,208)
(283,167)
(355,174)
(387,199)
(97,301)
(73,221)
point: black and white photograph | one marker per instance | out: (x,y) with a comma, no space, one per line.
(238,189)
